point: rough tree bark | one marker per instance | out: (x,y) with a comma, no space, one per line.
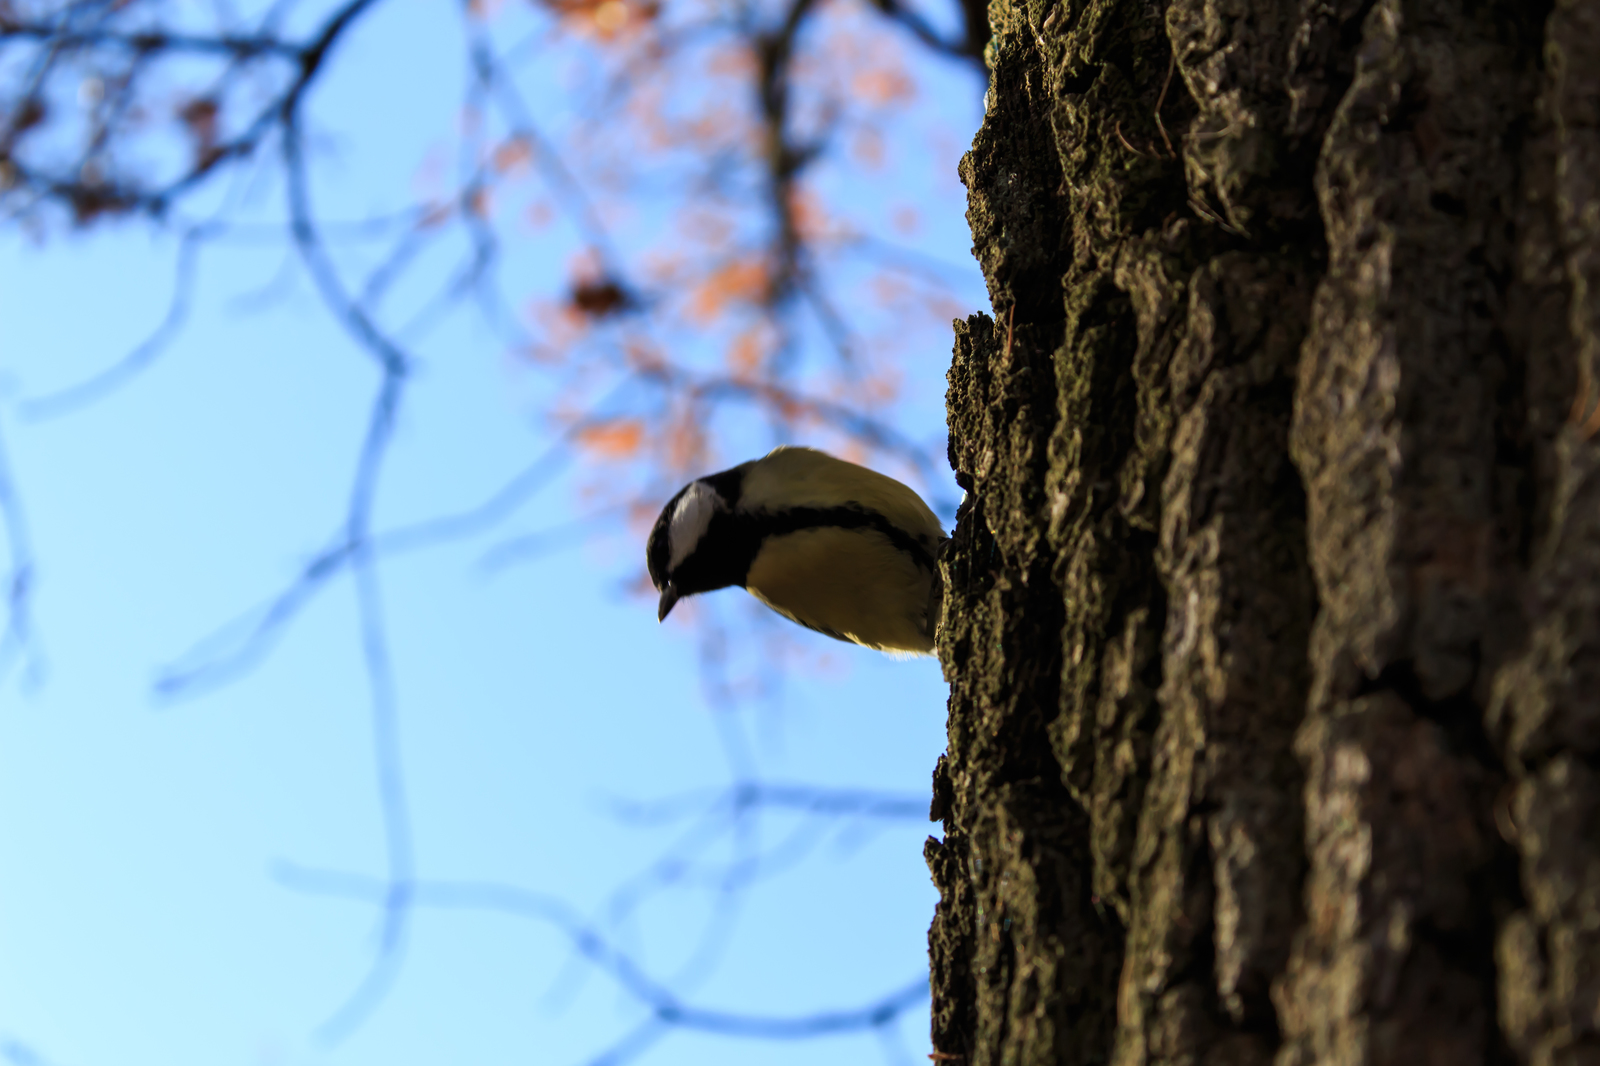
(1273,617)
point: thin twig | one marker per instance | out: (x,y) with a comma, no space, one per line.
(1172,64)
(1129,146)
(605,956)
(72,397)
(18,641)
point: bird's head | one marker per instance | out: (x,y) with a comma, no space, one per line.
(698,544)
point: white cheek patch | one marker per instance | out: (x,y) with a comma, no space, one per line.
(690,520)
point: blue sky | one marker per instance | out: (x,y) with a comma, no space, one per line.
(145,913)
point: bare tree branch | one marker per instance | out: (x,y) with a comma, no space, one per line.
(151,42)
(20,1053)
(72,397)
(18,642)
(394,366)
(560,179)
(634,1043)
(968,46)
(665,1006)
(802,798)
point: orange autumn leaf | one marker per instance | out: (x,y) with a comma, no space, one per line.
(867,147)
(742,279)
(877,389)
(853,452)
(945,309)
(642,514)
(787,407)
(665,268)
(538,215)
(707,227)
(646,110)
(718,124)
(686,443)
(745,353)
(607,19)
(511,156)
(585,264)
(538,354)
(811,217)
(562,324)
(613,440)
(888,289)
(643,356)
(732,61)
(610,16)
(882,85)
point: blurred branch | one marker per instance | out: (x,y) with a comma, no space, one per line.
(783,156)
(152,41)
(530,546)
(862,427)
(937,271)
(969,45)
(665,1007)
(806,799)
(493,76)
(89,192)
(72,397)
(239,645)
(734,813)
(394,366)
(833,323)
(394,363)
(17,641)
(386,745)
(20,1053)
(634,1042)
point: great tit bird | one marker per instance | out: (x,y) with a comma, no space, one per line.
(834,546)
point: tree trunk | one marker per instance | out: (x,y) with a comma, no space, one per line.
(1273,617)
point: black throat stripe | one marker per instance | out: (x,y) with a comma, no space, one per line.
(795,519)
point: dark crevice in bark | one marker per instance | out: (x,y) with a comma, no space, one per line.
(1458,715)
(1494,888)
(1078,84)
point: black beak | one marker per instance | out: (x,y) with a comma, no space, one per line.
(669,596)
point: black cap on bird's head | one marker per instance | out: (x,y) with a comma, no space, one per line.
(684,554)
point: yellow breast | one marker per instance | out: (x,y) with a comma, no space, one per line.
(849,583)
